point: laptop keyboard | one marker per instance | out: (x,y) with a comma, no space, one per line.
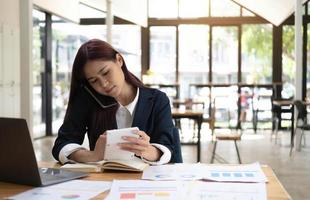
(52,176)
(49,174)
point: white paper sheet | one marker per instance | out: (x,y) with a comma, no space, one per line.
(173,172)
(219,191)
(185,190)
(146,190)
(76,189)
(229,173)
(235,173)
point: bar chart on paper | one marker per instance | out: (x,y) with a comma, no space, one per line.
(246,173)
(145,194)
(146,190)
(228,173)
(184,190)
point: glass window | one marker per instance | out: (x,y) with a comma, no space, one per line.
(38,72)
(288,61)
(163,8)
(224,54)
(256,54)
(226,101)
(162,55)
(66,39)
(194,8)
(129,48)
(193,56)
(224,8)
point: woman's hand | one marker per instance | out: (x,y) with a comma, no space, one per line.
(83,155)
(141,146)
(98,152)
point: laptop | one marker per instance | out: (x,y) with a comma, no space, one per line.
(18,161)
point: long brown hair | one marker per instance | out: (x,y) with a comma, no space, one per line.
(95,49)
(101,119)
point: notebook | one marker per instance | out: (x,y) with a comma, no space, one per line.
(112,150)
(134,165)
(18,161)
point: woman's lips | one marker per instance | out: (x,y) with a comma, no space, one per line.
(109,90)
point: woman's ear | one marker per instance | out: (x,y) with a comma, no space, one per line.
(119,60)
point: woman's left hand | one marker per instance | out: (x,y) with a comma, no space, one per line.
(141,146)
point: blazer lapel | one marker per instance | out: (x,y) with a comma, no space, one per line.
(143,108)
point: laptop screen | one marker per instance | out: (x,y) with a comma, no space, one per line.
(17,157)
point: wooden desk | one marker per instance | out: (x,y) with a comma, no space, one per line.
(190,114)
(275,190)
(188,103)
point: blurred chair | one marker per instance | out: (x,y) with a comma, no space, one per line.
(227,137)
(190,105)
(276,114)
(176,156)
(263,104)
(300,122)
(210,117)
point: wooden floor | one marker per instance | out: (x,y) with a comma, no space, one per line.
(293,172)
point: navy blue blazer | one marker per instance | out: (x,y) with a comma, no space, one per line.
(152,115)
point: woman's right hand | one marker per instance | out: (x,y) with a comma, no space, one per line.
(98,152)
(83,155)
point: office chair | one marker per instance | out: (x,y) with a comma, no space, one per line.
(302,118)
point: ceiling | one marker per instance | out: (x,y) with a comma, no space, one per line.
(274,11)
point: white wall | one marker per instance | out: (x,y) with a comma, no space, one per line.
(15,59)
(9,59)
(9,12)
(25,17)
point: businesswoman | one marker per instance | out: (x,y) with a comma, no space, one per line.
(104,95)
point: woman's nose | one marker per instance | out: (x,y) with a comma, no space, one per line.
(104,83)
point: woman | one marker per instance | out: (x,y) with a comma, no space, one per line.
(104,95)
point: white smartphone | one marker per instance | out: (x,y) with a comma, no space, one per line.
(112,151)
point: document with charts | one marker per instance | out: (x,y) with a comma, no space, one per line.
(235,173)
(76,189)
(185,190)
(222,190)
(221,173)
(146,190)
(182,171)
